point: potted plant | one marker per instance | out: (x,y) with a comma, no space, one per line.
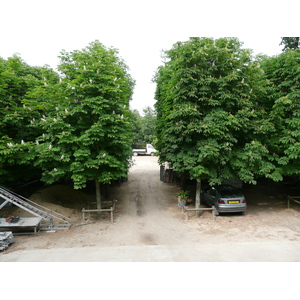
(182,198)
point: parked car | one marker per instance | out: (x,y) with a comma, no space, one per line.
(149,150)
(225,198)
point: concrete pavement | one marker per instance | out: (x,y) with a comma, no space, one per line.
(219,252)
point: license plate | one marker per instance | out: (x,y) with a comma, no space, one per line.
(233,201)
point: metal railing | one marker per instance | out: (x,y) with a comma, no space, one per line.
(36,209)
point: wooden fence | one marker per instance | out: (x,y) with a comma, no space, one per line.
(111,210)
(186,211)
(294,199)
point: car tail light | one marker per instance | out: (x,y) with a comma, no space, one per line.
(221,201)
(244,201)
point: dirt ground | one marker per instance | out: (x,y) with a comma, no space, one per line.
(147,214)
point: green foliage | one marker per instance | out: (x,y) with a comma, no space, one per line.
(220,113)
(17,79)
(290,43)
(143,127)
(210,109)
(136,124)
(76,127)
(88,132)
(283,74)
(148,125)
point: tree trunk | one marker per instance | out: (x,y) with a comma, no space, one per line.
(98,195)
(198,191)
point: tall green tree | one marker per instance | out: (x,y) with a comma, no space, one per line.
(148,125)
(17,79)
(88,137)
(81,125)
(208,106)
(136,127)
(283,74)
(143,127)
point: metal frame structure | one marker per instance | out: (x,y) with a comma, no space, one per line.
(37,210)
(6,238)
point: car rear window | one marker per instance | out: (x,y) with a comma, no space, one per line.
(230,193)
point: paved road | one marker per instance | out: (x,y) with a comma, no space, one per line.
(229,252)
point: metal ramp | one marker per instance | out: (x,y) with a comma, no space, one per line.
(49,216)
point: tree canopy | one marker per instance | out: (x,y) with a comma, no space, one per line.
(143,127)
(212,112)
(220,113)
(80,121)
(17,79)
(283,75)
(290,43)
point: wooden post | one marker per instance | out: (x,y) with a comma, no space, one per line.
(112,215)
(197,202)
(98,195)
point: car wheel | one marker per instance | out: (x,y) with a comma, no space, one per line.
(135,154)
